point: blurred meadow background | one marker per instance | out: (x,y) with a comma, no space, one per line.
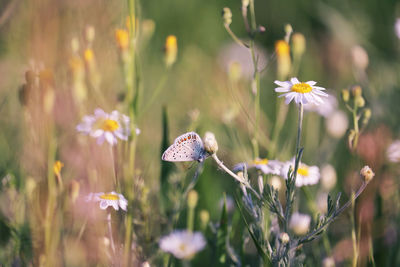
(60,60)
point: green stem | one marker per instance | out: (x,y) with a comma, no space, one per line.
(190,219)
(252,16)
(256,80)
(237,178)
(353,233)
(234,37)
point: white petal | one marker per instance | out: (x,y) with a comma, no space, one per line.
(283,84)
(294,80)
(103,204)
(311,83)
(110,138)
(281,89)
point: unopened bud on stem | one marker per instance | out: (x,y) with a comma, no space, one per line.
(367,174)
(210,143)
(227,16)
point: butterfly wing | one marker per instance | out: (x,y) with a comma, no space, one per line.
(186,147)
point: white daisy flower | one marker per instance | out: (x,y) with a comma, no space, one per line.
(183,244)
(105,127)
(397,27)
(393,152)
(106,200)
(300,223)
(267,166)
(306,175)
(301,92)
(264,165)
(325,110)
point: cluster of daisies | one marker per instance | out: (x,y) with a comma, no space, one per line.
(306,175)
(184,244)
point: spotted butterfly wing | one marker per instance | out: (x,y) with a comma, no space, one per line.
(186,147)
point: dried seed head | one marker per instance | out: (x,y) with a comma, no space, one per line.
(367,174)
(210,143)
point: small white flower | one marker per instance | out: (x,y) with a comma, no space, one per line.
(328,177)
(301,92)
(300,223)
(337,123)
(105,127)
(306,175)
(325,110)
(267,166)
(393,151)
(106,200)
(397,27)
(182,243)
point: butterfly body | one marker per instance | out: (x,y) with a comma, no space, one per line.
(186,147)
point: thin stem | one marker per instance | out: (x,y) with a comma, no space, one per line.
(234,37)
(336,214)
(256,81)
(252,16)
(356,129)
(353,235)
(113,166)
(110,232)
(236,177)
(299,128)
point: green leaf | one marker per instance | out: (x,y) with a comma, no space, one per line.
(166,167)
(260,250)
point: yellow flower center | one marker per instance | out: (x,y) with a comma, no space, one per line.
(303,171)
(260,162)
(109,197)
(301,88)
(182,247)
(109,125)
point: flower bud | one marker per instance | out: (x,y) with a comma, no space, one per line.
(359,101)
(245,3)
(58,165)
(90,33)
(171,50)
(345,95)
(298,44)
(75,45)
(227,16)
(88,55)
(260,29)
(204,217)
(122,38)
(210,143)
(366,116)
(367,174)
(359,57)
(192,199)
(356,91)
(288,31)
(282,50)
(284,238)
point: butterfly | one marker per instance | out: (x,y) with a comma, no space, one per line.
(186,147)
